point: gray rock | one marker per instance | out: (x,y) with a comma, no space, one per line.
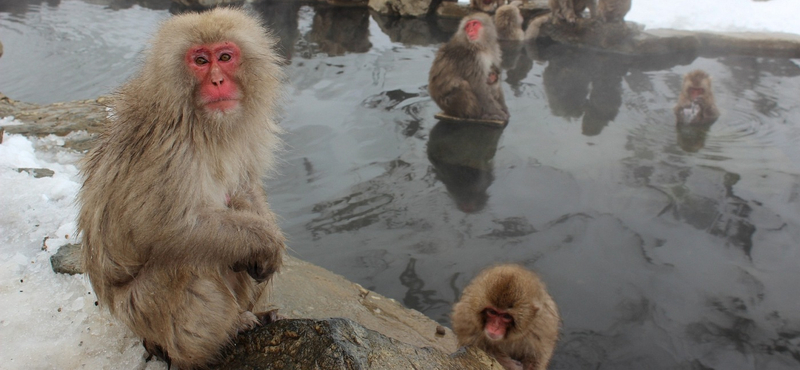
(405,8)
(337,344)
(67,260)
(37,172)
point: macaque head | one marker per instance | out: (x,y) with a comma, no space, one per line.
(478,27)
(214,67)
(508,306)
(697,84)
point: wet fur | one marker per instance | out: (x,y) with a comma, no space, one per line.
(164,249)
(457,81)
(708,113)
(531,339)
(508,21)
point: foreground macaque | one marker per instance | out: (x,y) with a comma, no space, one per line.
(486,5)
(176,227)
(696,103)
(570,10)
(508,21)
(613,10)
(507,312)
(465,77)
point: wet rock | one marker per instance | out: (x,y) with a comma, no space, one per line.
(59,119)
(336,344)
(404,8)
(67,260)
(37,172)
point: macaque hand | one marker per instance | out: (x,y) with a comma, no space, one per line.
(261,266)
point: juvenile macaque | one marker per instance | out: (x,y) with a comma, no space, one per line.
(176,227)
(486,5)
(570,10)
(508,21)
(507,312)
(465,77)
(696,103)
(613,10)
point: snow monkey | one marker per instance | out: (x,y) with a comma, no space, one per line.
(486,5)
(176,228)
(507,312)
(464,79)
(613,10)
(696,103)
(508,21)
(570,10)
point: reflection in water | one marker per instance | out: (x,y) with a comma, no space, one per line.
(691,138)
(461,154)
(416,296)
(567,80)
(281,17)
(341,30)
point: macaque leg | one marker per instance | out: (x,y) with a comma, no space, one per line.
(184,315)
(462,102)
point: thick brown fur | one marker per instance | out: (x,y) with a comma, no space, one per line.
(531,338)
(464,78)
(172,210)
(508,21)
(613,10)
(488,6)
(570,10)
(534,26)
(701,110)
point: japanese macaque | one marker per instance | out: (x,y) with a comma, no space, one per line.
(613,10)
(570,10)
(507,312)
(176,228)
(464,79)
(696,103)
(508,21)
(534,26)
(486,5)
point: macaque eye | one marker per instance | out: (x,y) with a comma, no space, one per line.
(491,312)
(225,57)
(508,317)
(200,60)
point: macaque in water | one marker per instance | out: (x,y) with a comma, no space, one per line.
(464,79)
(176,228)
(508,21)
(486,5)
(507,312)
(613,10)
(696,103)
(570,10)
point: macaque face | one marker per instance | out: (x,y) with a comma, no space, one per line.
(214,66)
(473,29)
(497,323)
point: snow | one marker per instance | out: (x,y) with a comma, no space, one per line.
(37,216)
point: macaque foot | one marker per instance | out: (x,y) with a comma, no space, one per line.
(260,272)
(269,317)
(157,351)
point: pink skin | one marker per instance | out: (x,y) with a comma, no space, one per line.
(214,66)
(473,29)
(694,92)
(497,323)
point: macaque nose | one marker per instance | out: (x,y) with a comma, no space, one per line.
(217,77)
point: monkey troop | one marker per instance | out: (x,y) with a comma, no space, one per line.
(696,104)
(464,77)
(605,10)
(507,312)
(176,228)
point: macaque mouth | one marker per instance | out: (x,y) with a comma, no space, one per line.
(694,92)
(222,104)
(497,323)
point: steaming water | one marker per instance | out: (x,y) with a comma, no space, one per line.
(664,248)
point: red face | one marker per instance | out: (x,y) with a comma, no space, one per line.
(473,29)
(694,92)
(497,323)
(214,66)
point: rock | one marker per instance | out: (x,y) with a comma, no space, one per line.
(412,31)
(1,49)
(37,172)
(67,260)
(336,344)
(404,8)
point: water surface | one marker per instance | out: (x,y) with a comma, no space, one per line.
(664,248)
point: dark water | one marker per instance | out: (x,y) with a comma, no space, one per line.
(664,248)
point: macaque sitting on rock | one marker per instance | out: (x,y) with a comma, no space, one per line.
(177,232)
(507,312)
(696,105)
(464,79)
